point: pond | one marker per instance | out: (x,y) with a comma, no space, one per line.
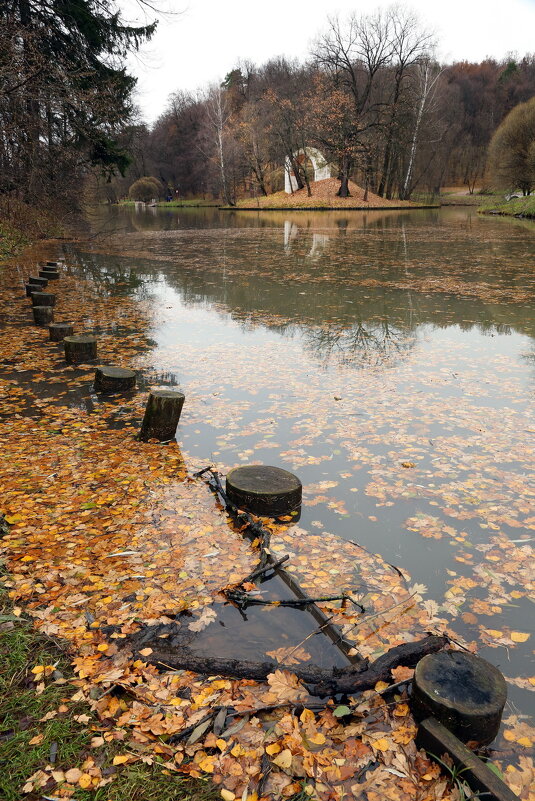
(387,358)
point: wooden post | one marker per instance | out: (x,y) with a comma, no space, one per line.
(58,331)
(43,315)
(51,275)
(264,490)
(162,414)
(80,349)
(52,264)
(33,288)
(112,380)
(435,738)
(42,282)
(43,299)
(464,692)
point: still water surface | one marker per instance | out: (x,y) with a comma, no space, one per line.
(388,358)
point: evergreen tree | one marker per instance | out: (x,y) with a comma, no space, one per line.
(64,92)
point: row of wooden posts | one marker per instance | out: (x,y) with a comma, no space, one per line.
(164,407)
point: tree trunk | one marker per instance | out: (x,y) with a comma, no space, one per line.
(345,166)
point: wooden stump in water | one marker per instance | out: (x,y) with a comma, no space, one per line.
(42,282)
(52,264)
(111,380)
(43,315)
(464,692)
(33,288)
(50,275)
(264,490)
(58,331)
(162,414)
(43,299)
(80,349)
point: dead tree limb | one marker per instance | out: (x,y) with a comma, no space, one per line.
(319,681)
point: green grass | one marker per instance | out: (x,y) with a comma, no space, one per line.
(21,710)
(524,206)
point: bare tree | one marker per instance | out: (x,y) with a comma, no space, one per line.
(218,115)
(351,54)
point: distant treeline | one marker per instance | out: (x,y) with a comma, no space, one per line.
(372,98)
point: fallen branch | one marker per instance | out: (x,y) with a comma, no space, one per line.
(243,600)
(320,681)
(259,571)
(256,531)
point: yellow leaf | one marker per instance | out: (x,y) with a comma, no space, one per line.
(318,738)
(207,764)
(85,781)
(401,710)
(146,652)
(221,744)
(284,759)
(519,636)
(525,741)
(274,748)
(37,740)
(381,745)
(226,795)
(120,760)
(13,519)
(381,685)
(103,646)
(494,632)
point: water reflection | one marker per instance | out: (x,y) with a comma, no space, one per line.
(341,346)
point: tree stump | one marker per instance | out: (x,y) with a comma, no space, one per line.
(80,349)
(50,275)
(39,281)
(111,380)
(33,288)
(43,315)
(263,490)
(58,331)
(162,414)
(52,264)
(464,692)
(43,299)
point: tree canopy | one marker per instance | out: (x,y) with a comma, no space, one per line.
(64,92)
(512,150)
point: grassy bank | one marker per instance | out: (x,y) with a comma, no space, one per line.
(519,207)
(42,723)
(12,241)
(21,224)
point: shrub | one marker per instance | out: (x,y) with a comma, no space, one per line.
(145,189)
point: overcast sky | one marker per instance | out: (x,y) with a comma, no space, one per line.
(204,39)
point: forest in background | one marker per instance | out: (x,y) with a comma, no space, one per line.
(372,98)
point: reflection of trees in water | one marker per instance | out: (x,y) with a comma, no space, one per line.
(370,343)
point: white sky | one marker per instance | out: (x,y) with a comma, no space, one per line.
(204,39)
